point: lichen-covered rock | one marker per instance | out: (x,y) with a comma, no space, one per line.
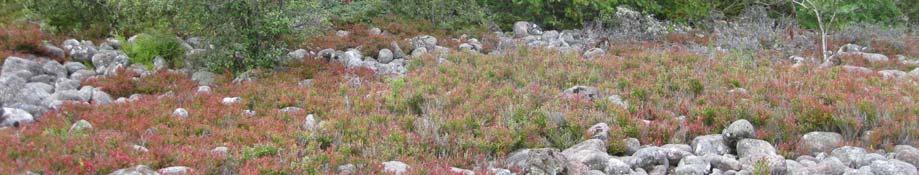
(587,92)
(849,155)
(81,125)
(395,167)
(538,161)
(747,147)
(740,129)
(817,142)
(710,144)
(15,117)
(907,153)
(892,167)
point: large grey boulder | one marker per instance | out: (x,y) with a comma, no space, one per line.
(740,129)
(83,74)
(108,61)
(591,153)
(599,131)
(523,29)
(631,145)
(54,68)
(73,66)
(347,169)
(710,144)
(616,166)
(693,165)
(722,162)
(66,84)
(747,147)
(676,152)
(538,161)
(849,155)
(203,78)
(774,163)
(830,165)
(649,156)
(10,88)
(136,170)
(20,67)
(907,153)
(100,97)
(892,167)
(70,95)
(54,51)
(385,56)
(425,41)
(587,92)
(14,117)
(395,167)
(817,142)
(296,55)
(35,93)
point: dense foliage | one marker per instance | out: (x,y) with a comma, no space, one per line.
(146,47)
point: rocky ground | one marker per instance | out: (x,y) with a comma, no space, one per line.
(39,94)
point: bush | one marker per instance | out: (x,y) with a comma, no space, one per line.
(244,32)
(146,47)
(82,18)
(844,13)
(21,38)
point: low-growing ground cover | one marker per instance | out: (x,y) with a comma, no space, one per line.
(464,110)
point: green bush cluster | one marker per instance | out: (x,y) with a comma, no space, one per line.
(146,47)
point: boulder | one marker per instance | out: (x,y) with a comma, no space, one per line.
(54,51)
(230,100)
(892,167)
(73,66)
(631,145)
(385,56)
(80,126)
(747,147)
(347,169)
(649,156)
(710,144)
(425,41)
(66,84)
(15,117)
(907,153)
(617,100)
(83,74)
(521,29)
(587,92)
(55,69)
(461,171)
(538,161)
(296,55)
(20,67)
(616,166)
(591,153)
(892,73)
(818,142)
(722,162)
(848,155)
(203,77)
(594,53)
(395,167)
(180,113)
(830,165)
(136,170)
(774,163)
(397,51)
(175,170)
(311,123)
(599,131)
(740,129)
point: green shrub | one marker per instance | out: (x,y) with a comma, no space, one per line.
(838,14)
(147,47)
(245,32)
